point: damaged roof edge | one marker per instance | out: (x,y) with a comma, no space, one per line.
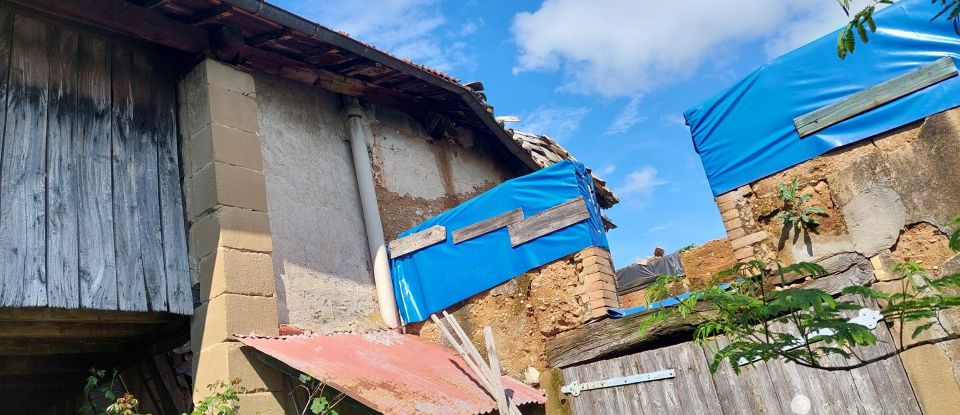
(292,21)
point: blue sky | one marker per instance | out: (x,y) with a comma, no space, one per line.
(609,79)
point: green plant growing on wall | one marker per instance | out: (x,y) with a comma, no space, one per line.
(795,213)
(764,322)
(861,23)
(223,400)
(316,402)
(95,390)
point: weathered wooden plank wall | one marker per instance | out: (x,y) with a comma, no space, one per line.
(762,388)
(91,212)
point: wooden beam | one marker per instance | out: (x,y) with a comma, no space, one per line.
(548,221)
(211,15)
(269,37)
(53,345)
(70,330)
(417,241)
(484,227)
(125,17)
(875,96)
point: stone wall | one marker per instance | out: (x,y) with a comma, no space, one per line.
(322,266)
(535,306)
(888,199)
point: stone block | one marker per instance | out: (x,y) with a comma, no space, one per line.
(262,403)
(731,196)
(880,270)
(727,206)
(744,253)
(231,227)
(229,78)
(217,142)
(236,272)
(735,223)
(222,184)
(217,320)
(730,215)
(231,360)
(598,276)
(233,109)
(748,240)
(599,268)
(736,233)
(933,378)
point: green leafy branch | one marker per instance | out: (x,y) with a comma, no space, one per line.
(862,24)
(317,403)
(223,400)
(93,393)
(795,214)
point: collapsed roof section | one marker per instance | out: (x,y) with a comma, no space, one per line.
(545,152)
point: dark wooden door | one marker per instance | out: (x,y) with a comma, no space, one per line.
(91,213)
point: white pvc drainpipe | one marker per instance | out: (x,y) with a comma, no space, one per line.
(371,214)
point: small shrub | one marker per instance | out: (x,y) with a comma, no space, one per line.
(224,399)
(795,214)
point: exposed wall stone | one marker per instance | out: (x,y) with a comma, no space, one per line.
(888,199)
(537,305)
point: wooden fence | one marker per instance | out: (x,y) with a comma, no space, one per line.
(763,388)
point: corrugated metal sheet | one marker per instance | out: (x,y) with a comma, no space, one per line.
(390,372)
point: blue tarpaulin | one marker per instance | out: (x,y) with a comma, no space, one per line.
(746,132)
(436,277)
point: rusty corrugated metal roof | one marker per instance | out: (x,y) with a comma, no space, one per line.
(390,372)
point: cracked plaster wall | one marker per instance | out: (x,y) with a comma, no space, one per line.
(321,264)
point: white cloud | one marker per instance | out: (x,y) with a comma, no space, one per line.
(628,47)
(673,119)
(411,29)
(606,170)
(628,117)
(557,122)
(641,183)
(662,227)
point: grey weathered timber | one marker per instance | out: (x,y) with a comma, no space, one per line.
(91,209)
(22,177)
(875,96)
(131,289)
(143,82)
(179,295)
(548,221)
(484,227)
(63,152)
(417,241)
(761,388)
(6,44)
(98,266)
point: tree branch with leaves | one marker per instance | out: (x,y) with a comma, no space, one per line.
(862,25)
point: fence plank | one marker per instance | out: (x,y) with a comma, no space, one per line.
(98,266)
(63,251)
(131,288)
(484,227)
(22,179)
(548,221)
(143,145)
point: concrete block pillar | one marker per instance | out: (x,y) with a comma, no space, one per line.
(598,282)
(229,232)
